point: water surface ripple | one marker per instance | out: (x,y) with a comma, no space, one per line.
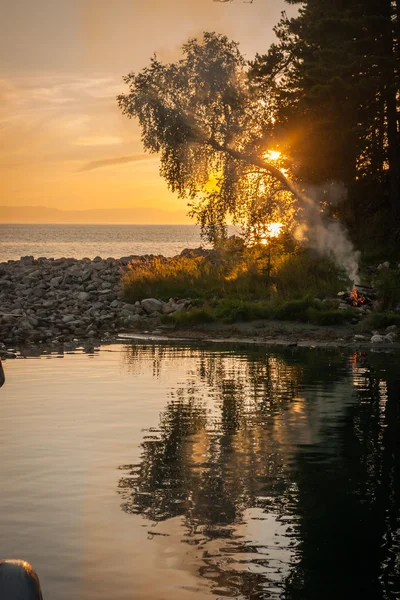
(160,471)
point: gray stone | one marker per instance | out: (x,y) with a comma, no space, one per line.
(129,308)
(68,318)
(151,305)
(25,325)
(82,296)
(390,329)
(378,339)
(38,292)
(391,337)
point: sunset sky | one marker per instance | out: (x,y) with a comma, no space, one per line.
(64,143)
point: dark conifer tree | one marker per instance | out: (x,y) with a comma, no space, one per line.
(336,69)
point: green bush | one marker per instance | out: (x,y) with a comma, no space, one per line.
(388,287)
(379,320)
(192,317)
(329,317)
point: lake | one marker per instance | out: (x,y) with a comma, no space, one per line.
(171,471)
(80,241)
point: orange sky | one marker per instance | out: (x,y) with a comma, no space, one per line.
(64,143)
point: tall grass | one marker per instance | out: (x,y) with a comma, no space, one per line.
(250,275)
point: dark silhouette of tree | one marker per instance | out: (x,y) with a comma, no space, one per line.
(336,68)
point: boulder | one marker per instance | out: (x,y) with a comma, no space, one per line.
(391,336)
(378,339)
(152,305)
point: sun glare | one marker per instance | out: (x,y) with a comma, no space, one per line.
(273,155)
(272,230)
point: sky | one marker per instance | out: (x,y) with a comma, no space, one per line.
(63,142)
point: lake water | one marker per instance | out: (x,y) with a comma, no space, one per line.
(163,472)
(79,241)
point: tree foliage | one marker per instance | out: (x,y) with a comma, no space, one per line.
(212,128)
(336,66)
(326,94)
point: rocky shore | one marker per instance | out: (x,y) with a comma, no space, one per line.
(57,301)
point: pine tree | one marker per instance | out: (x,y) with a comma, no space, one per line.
(336,68)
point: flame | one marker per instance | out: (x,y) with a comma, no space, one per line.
(358,300)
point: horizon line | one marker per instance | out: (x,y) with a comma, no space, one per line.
(116,223)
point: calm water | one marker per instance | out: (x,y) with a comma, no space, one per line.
(174,472)
(81,241)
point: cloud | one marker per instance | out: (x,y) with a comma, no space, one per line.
(118,160)
(103,140)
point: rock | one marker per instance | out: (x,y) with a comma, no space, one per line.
(151,305)
(129,308)
(83,296)
(133,319)
(383,266)
(378,339)
(68,318)
(27,260)
(392,328)
(7,354)
(360,338)
(125,260)
(25,325)
(391,337)
(38,292)
(115,304)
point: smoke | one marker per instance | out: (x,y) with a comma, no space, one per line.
(327,236)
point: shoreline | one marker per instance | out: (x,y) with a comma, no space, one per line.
(65,302)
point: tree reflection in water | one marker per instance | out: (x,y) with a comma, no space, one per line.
(283,466)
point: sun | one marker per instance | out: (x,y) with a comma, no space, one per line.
(272,230)
(272,155)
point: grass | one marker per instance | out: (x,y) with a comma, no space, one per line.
(388,287)
(245,285)
(246,276)
(380,320)
(228,311)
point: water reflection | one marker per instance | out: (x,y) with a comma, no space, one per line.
(283,468)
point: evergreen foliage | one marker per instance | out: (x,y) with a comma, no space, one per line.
(336,71)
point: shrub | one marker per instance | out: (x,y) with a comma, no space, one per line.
(388,286)
(306,274)
(193,316)
(329,317)
(380,320)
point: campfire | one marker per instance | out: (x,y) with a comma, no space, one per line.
(359,296)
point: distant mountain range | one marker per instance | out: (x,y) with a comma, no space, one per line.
(139,215)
